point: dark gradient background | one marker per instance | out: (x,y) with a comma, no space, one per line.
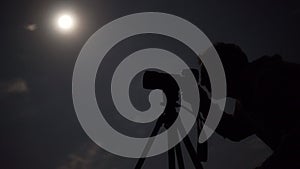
(38,125)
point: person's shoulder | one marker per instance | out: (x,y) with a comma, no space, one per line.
(261,65)
(255,71)
(266,60)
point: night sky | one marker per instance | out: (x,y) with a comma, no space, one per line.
(39,127)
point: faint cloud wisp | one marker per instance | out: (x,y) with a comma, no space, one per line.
(31,27)
(14,86)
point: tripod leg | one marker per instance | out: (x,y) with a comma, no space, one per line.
(171,152)
(171,157)
(179,156)
(148,145)
(202,148)
(140,163)
(200,155)
(202,151)
(189,146)
(192,152)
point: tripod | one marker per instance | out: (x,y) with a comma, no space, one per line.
(176,151)
(154,80)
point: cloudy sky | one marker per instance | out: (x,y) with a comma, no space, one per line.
(39,128)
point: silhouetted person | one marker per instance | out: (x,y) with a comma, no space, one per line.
(267,93)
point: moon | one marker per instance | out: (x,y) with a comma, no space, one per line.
(65,22)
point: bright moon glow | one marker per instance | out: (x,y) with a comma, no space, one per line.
(65,22)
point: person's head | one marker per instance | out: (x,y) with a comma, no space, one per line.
(234,60)
(232,57)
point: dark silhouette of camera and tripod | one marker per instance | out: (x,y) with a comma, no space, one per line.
(267,94)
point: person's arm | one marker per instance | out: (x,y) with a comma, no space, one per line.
(287,154)
(235,127)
